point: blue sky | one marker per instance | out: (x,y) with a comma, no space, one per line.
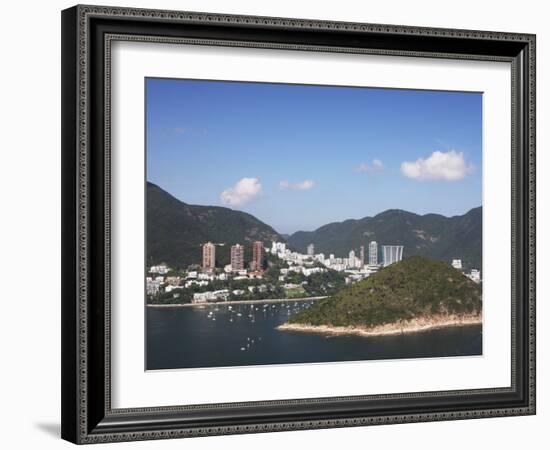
(298,157)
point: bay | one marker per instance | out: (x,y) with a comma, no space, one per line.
(222,335)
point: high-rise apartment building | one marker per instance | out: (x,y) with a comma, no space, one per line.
(208,256)
(311,250)
(373,253)
(351,258)
(362,255)
(257,263)
(392,254)
(237,257)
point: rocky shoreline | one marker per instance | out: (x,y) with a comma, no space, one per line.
(416,325)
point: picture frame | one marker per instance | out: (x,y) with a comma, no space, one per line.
(87,412)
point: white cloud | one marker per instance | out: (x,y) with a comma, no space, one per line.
(447,166)
(375,166)
(243,192)
(303,185)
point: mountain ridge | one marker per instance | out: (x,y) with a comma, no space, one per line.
(433,235)
(176,230)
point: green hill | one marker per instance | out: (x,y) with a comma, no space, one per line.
(431,235)
(414,287)
(176,230)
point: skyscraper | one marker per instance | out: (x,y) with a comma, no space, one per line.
(237,257)
(362,255)
(373,253)
(392,254)
(351,258)
(257,256)
(208,256)
(311,250)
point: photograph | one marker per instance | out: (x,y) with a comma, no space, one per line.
(294,223)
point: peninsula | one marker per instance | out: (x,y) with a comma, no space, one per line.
(413,295)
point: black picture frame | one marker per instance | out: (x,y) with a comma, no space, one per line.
(87,415)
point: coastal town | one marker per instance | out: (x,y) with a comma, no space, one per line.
(274,272)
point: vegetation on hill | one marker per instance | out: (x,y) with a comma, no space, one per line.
(176,230)
(431,235)
(414,287)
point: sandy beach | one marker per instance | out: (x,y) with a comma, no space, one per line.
(234,302)
(416,325)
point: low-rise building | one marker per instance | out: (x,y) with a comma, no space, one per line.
(152,287)
(210,296)
(311,271)
(171,288)
(190,283)
(160,269)
(205,276)
(457,264)
(173,281)
(475,276)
